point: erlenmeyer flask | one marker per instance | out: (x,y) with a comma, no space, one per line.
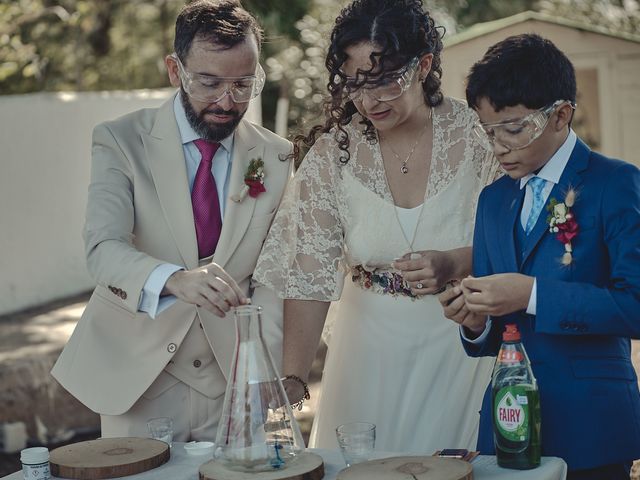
(257,430)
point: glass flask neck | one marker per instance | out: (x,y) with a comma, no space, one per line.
(248,323)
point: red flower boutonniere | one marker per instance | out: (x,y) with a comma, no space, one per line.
(563,223)
(253,181)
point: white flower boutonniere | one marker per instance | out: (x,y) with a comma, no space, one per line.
(563,223)
(253,181)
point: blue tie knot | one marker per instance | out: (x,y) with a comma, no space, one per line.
(537,185)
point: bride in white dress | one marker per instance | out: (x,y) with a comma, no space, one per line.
(395,172)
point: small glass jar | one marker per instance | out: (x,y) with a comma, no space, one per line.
(35,463)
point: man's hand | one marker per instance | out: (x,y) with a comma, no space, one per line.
(427,271)
(498,294)
(453,304)
(209,287)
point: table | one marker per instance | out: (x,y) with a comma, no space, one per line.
(185,467)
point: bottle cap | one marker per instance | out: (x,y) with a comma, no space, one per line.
(511,334)
(34,455)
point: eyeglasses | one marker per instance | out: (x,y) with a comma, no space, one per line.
(519,134)
(212,89)
(387,89)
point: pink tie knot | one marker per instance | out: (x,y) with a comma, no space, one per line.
(207,149)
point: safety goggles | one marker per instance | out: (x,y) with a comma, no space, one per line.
(517,134)
(211,89)
(390,87)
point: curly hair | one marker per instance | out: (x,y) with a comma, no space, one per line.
(402,30)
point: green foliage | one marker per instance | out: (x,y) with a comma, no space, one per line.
(470,12)
(617,15)
(299,67)
(84,44)
(277,17)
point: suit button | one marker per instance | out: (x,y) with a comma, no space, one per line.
(171,347)
(197,363)
(123,295)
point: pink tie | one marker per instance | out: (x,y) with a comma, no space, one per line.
(205,201)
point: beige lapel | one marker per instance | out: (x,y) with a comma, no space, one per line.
(167,164)
(238,214)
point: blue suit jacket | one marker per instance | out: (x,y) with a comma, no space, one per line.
(578,341)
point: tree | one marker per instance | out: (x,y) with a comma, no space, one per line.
(617,15)
(54,45)
(470,12)
(84,44)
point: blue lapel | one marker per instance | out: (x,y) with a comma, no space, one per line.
(570,178)
(510,212)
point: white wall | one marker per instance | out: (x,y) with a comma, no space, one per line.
(45,145)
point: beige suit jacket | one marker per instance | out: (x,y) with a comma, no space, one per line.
(139,216)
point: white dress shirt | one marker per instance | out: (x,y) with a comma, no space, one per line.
(551,172)
(150,300)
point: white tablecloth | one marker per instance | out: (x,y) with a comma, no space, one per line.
(185,467)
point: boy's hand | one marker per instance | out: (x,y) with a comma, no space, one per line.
(498,294)
(453,304)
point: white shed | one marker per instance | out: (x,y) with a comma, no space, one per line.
(607,68)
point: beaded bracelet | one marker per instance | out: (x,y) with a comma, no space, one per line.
(306,395)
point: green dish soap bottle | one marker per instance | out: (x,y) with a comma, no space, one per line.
(515,405)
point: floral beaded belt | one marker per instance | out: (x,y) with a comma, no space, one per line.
(384,282)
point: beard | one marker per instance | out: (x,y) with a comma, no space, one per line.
(211,131)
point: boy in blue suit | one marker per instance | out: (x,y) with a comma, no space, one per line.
(556,250)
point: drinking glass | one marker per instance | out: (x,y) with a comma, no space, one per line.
(161,428)
(356,441)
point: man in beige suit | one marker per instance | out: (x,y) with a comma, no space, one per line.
(172,237)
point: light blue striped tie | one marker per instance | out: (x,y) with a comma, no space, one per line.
(537,186)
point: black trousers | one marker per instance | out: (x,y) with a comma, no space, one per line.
(616,471)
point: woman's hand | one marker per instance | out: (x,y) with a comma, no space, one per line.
(294,389)
(428,271)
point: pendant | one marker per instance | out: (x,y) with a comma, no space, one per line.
(404,169)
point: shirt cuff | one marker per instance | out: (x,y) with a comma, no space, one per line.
(531,308)
(150,300)
(482,336)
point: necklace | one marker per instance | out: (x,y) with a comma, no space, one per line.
(409,241)
(403,168)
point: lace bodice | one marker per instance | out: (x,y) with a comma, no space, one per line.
(336,216)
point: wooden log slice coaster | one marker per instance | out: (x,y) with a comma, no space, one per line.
(108,458)
(307,466)
(401,468)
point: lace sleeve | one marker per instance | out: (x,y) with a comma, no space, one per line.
(302,254)
(487,167)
